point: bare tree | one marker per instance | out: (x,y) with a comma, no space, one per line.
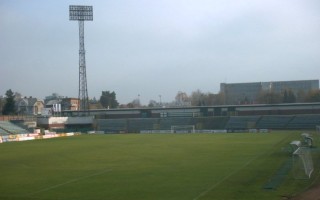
(182,99)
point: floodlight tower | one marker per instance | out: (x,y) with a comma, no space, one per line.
(81,14)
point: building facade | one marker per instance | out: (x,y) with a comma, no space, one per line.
(29,106)
(247,93)
(70,103)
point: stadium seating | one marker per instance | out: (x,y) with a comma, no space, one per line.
(274,122)
(112,125)
(22,124)
(3,132)
(135,125)
(213,122)
(11,128)
(243,122)
(304,122)
(210,123)
(166,123)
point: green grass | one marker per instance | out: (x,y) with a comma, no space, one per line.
(142,166)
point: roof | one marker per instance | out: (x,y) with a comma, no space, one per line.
(54,101)
(27,101)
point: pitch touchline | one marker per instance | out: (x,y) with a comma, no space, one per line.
(70,181)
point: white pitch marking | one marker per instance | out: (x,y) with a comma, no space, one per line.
(235,171)
(70,181)
(226,177)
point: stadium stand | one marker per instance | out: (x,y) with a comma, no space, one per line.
(22,124)
(11,128)
(166,123)
(112,125)
(3,132)
(212,122)
(243,122)
(304,122)
(274,122)
(231,123)
(135,125)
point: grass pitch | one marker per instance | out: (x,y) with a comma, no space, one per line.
(148,166)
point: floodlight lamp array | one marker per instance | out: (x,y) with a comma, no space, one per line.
(80,13)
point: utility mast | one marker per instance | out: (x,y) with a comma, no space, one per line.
(81,14)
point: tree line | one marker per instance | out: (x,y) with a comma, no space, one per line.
(108,100)
(199,98)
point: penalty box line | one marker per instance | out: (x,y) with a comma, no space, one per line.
(69,181)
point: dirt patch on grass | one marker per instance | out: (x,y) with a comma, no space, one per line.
(312,194)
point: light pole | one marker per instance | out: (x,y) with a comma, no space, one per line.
(81,14)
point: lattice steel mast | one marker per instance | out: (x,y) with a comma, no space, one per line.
(81,14)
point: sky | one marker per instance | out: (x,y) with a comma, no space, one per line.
(146,48)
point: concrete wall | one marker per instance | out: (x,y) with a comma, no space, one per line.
(65,120)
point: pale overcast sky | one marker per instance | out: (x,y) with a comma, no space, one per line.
(156,48)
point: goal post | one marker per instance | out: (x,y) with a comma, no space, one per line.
(183,129)
(302,163)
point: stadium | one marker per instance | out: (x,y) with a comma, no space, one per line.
(253,151)
(232,118)
(219,152)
